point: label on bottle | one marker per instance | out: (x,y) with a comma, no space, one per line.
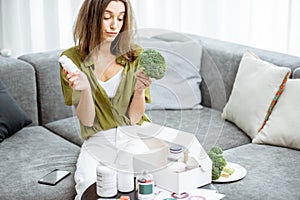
(145,189)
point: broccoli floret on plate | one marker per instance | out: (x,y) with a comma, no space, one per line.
(153,63)
(228,170)
(218,162)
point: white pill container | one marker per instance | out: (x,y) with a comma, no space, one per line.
(106,181)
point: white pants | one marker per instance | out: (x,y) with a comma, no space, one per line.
(85,174)
(111,147)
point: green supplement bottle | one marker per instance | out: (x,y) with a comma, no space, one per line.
(145,186)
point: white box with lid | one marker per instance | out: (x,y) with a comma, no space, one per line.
(177,182)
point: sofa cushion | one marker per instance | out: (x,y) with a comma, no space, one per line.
(206,124)
(256,84)
(272,173)
(51,103)
(30,154)
(283,126)
(179,88)
(19,78)
(68,128)
(12,117)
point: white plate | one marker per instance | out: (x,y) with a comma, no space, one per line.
(239,173)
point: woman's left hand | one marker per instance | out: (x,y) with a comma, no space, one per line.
(142,81)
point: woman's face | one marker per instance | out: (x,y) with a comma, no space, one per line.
(113,20)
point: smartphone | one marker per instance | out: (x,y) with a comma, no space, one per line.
(54,177)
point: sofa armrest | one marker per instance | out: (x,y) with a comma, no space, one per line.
(296,73)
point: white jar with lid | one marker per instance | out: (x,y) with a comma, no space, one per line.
(125,175)
(125,180)
(106,181)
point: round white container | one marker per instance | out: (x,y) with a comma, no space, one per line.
(125,181)
(106,181)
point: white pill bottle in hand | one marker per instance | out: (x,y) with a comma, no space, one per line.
(68,64)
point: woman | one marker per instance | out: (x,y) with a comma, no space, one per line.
(108,90)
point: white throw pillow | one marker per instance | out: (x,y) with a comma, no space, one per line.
(283,127)
(256,85)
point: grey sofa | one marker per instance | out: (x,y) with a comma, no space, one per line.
(34,151)
(53,140)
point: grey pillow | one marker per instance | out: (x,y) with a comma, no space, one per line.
(179,89)
(12,117)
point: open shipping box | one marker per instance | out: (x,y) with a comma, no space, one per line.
(146,148)
(155,161)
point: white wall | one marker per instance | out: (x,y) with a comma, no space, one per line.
(266,24)
(39,25)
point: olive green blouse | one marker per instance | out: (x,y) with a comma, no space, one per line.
(110,113)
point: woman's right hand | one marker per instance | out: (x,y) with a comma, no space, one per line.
(77,80)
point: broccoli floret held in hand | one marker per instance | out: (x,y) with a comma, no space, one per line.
(216,150)
(153,63)
(218,162)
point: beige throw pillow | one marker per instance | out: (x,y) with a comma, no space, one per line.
(256,85)
(283,127)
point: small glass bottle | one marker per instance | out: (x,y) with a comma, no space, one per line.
(145,186)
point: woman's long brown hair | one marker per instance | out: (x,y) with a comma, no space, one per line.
(88,34)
